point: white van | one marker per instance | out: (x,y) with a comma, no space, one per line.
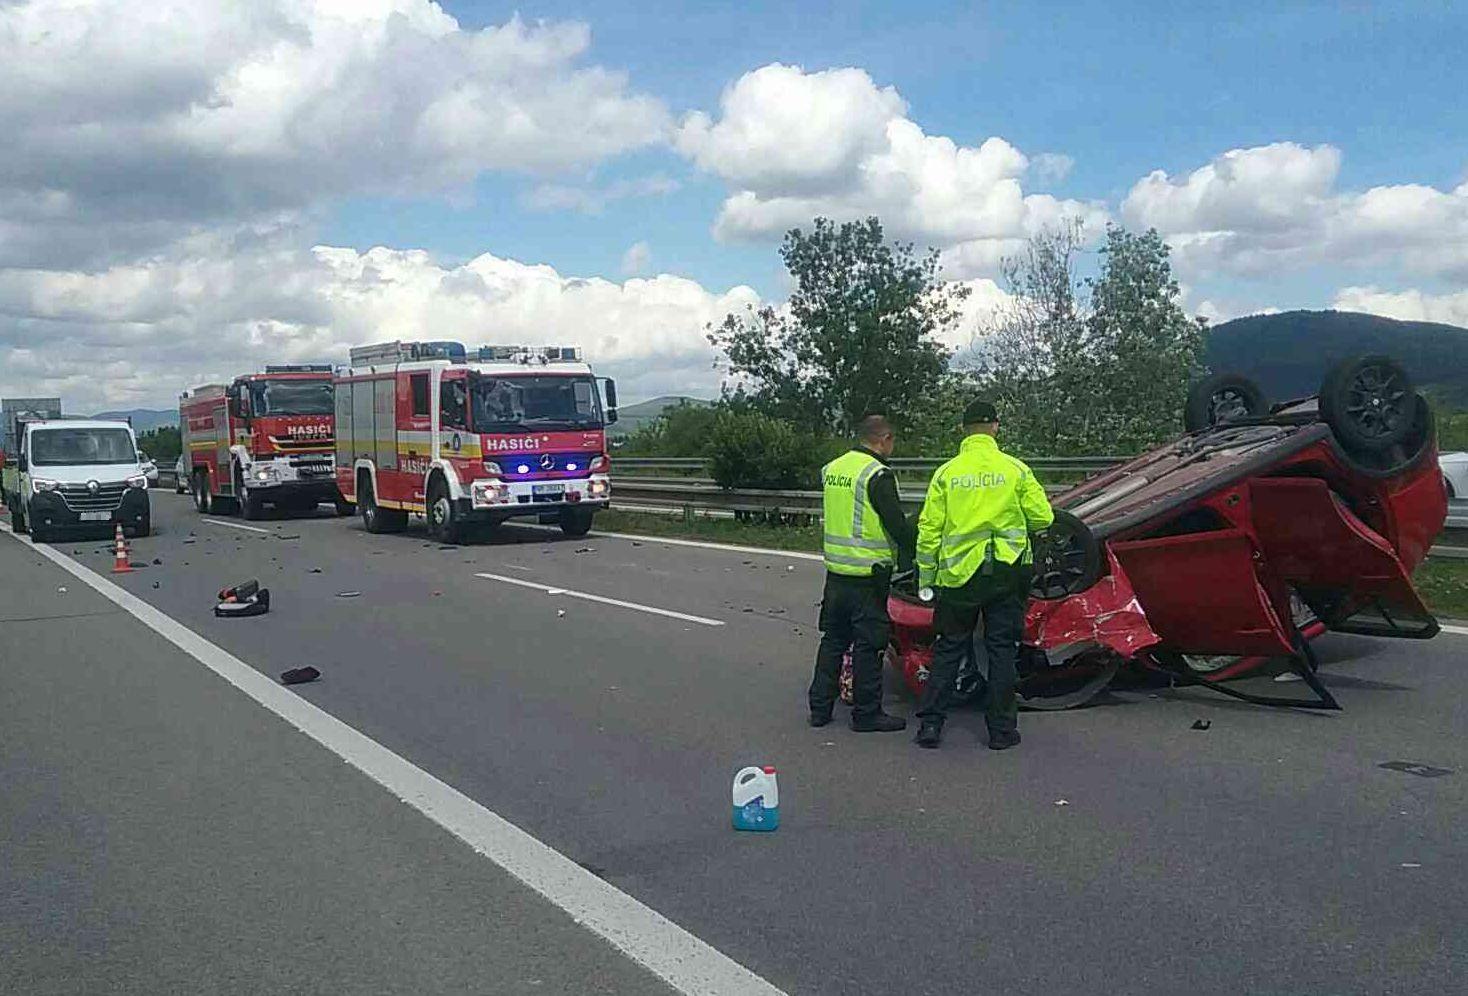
(71,473)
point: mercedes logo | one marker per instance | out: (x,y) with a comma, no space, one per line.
(547,462)
(93,487)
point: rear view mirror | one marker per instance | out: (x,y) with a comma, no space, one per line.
(611,392)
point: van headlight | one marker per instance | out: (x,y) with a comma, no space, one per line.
(139,481)
(39,484)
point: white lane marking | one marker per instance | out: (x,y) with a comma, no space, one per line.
(1456,630)
(688,964)
(234,525)
(635,606)
(670,541)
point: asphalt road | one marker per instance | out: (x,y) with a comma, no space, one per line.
(1117,850)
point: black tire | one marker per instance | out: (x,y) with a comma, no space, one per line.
(576,522)
(251,506)
(1067,558)
(375,519)
(1073,682)
(143,529)
(1221,398)
(1369,404)
(444,523)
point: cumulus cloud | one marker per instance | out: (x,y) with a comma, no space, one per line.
(636,259)
(1259,210)
(1407,305)
(129,124)
(793,145)
(594,200)
(139,333)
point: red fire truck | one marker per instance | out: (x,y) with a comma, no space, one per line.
(428,428)
(265,439)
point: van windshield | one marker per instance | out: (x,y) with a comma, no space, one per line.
(81,447)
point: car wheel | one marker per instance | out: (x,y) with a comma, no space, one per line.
(1067,558)
(1221,398)
(252,506)
(375,519)
(443,520)
(576,522)
(1065,677)
(1369,404)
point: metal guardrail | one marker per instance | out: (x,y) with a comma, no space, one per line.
(915,465)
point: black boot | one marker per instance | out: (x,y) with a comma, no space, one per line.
(930,733)
(1004,741)
(878,723)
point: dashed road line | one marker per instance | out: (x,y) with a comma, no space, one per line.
(690,965)
(235,525)
(604,600)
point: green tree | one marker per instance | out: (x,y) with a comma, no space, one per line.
(681,430)
(162,444)
(858,334)
(748,449)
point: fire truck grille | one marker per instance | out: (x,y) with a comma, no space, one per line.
(313,468)
(106,499)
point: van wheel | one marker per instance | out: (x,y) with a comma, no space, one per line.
(443,520)
(143,528)
(378,520)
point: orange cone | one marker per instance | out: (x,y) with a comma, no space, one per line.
(119,561)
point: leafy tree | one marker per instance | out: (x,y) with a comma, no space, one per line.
(163,444)
(681,430)
(1100,365)
(748,449)
(857,335)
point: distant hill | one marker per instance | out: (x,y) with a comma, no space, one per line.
(630,418)
(1288,353)
(143,419)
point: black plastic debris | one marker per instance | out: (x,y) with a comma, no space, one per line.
(257,604)
(1414,768)
(157,562)
(1201,724)
(239,592)
(299,675)
(156,585)
(314,570)
(584,549)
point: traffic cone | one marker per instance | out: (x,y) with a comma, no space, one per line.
(119,560)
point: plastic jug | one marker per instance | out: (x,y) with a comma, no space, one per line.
(756,799)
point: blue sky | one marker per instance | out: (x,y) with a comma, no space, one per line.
(1120,88)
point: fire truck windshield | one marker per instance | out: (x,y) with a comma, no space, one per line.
(291,397)
(508,404)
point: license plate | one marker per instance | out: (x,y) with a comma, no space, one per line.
(547,489)
(94,516)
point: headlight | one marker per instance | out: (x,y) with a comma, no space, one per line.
(140,481)
(40,484)
(490,467)
(265,473)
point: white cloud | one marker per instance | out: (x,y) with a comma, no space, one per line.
(1260,210)
(636,259)
(594,200)
(1052,167)
(795,145)
(137,334)
(130,123)
(1407,305)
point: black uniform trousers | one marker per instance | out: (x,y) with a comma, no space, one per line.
(853,614)
(999,599)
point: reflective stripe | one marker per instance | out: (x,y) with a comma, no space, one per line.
(851,561)
(860,489)
(870,544)
(952,539)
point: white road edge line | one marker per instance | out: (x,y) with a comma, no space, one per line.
(235,525)
(688,964)
(1456,630)
(635,606)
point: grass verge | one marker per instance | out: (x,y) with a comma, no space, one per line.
(1443,583)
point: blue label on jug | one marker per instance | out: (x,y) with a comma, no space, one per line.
(754,816)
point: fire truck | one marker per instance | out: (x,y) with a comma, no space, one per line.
(264,439)
(431,429)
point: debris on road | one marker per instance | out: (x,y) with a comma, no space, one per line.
(157,562)
(314,570)
(1201,724)
(560,613)
(584,549)
(1411,864)
(1061,802)
(348,594)
(61,590)
(157,585)
(299,675)
(255,604)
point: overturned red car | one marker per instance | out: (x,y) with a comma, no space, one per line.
(1229,548)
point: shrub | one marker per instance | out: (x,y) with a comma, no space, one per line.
(749,450)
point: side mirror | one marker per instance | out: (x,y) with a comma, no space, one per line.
(611,401)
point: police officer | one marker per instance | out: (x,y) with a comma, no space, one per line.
(865,534)
(973,547)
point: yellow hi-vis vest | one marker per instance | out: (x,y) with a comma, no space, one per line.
(982,503)
(855,541)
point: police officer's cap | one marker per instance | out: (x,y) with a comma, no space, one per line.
(979,412)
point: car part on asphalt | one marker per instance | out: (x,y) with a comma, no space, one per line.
(299,675)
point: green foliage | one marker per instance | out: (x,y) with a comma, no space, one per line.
(857,336)
(1095,366)
(682,430)
(1452,424)
(163,444)
(748,449)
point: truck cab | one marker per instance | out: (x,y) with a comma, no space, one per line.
(70,473)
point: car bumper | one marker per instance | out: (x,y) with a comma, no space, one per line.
(48,511)
(319,489)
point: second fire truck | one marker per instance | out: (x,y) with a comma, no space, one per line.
(264,439)
(429,428)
